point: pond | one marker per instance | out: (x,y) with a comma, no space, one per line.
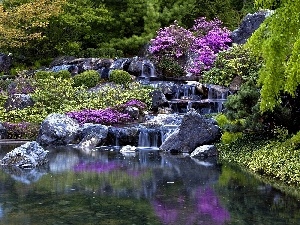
(103,186)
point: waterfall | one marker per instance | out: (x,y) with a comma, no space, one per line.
(148,138)
(147,69)
(144,138)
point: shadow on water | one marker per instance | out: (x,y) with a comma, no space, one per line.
(103,186)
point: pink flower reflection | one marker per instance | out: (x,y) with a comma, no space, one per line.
(208,203)
(99,167)
(166,214)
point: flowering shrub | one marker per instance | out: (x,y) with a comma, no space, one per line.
(21,85)
(173,41)
(202,42)
(107,116)
(136,103)
(23,130)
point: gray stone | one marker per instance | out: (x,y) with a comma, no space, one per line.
(205,151)
(121,136)
(249,24)
(18,101)
(58,129)
(158,100)
(3,132)
(92,135)
(195,130)
(133,112)
(28,155)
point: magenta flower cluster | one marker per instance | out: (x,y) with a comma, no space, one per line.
(22,130)
(201,43)
(136,103)
(108,116)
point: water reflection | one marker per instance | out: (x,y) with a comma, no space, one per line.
(103,186)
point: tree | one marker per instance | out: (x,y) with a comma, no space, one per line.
(22,23)
(277,41)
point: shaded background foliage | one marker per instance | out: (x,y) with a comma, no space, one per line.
(126,26)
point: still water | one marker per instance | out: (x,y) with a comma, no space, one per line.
(103,186)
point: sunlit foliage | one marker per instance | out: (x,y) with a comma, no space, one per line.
(278,42)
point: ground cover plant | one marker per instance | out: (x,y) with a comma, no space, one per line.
(278,158)
(53,93)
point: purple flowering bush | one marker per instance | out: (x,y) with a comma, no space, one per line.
(108,116)
(23,130)
(198,45)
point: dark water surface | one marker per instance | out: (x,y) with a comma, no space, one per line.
(103,186)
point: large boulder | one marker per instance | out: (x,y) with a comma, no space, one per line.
(195,130)
(58,129)
(18,101)
(249,24)
(92,135)
(28,155)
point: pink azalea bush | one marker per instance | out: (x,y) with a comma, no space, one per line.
(202,42)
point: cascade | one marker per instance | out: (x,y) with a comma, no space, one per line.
(148,138)
(147,69)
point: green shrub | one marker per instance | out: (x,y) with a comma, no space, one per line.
(89,78)
(169,67)
(237,61)
(43,74)
(64,74)
(4,83)
(102,53)
(279,160)
(120,77)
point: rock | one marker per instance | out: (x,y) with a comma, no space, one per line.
(205,151)
(249,24)
(61,61)
(92,135)
(5,62)
(162,120)
(135,66)
(18,101)
(158,100)
(128,148)
(121,136)
(28,155)
(120,64)
(3,132)
(195,130)
(58,129)
(133,112)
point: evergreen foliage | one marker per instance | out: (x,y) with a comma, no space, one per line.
(236,61)
(120,77)
(89,78)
